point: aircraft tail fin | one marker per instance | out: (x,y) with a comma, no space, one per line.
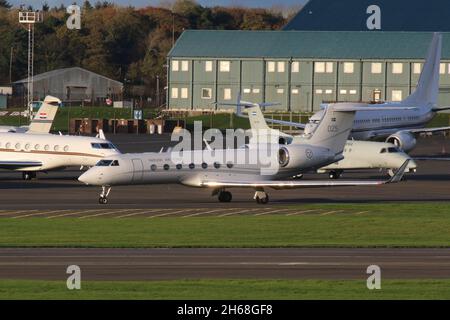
(427,89)
(43,120)
(256,118)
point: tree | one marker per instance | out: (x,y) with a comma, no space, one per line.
(4,4)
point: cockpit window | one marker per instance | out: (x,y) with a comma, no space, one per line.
(97,145)
(104,163)
(115,163)
(383,150)
(393,150)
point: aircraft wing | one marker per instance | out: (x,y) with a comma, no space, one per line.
(286,123)
(19,164)
(425,130)
(431,158)
(293,184)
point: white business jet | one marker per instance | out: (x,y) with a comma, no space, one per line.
(227,168)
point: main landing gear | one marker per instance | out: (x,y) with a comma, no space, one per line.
(261,197)
(28,175)
(103,199)
(225,196)
(335,174)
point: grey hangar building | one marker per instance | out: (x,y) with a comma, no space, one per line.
(306,63)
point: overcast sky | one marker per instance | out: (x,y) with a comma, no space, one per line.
(141,3)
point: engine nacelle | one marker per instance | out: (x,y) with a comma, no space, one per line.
(302,156)
(404,140)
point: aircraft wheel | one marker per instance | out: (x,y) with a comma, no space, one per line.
(391,172)
(335,174)
(225,196)
(28,175)
(102,200)
(263,200)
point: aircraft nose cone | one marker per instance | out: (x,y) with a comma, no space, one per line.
(87,178)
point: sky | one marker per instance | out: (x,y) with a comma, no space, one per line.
(141,3)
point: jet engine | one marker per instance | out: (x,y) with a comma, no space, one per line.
(303,156)
(404,140)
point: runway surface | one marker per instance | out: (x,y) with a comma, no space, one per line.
(171,264)
(60,190)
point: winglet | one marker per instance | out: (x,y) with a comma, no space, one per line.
(398,176)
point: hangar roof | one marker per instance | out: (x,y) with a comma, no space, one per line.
(351,15)
(305,44)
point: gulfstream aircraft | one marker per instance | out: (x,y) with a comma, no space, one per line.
(396,126)
(357,154)
(37,150)
(42,121)
(221,169)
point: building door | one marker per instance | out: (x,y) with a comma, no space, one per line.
(138,170)
(376,95)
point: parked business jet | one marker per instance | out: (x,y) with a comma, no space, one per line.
(196,169)
(42,121)
(37,150)
(357,154)
(396,126)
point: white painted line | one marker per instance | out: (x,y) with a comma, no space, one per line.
(204,212)
(238,212)
(39,213)
(14,212)
(139,211)
(361,212)
(301,212)
(167,214)
(105,213)
(271,211)
(331,212)
(72,213)
(27,211)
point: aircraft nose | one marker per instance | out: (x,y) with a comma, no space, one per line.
(412,164)
(89,177)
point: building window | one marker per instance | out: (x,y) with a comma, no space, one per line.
(353,91)
(294,91)
(206,93)
(417,68)
(271,66)
(174,93)
(376,67)
(184,93)
(256,90)
(442,68)
(343,91)
(328,91)
(319,91)
(247,90)
(184,65)
(175,65)
(280,90)
(349,67)
(208,66)
(323,67)
(295,66)
(224,66)
(397,68)
(396,95)
(227,94)
(281,66)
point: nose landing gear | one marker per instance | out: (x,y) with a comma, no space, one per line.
(27,175)
(261,197)
(103,199)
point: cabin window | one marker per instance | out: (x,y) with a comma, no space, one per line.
(37,147)
(27,146)
(179,166)
(191,166)
(17,145)
(153,167)
(217,165)
(229,165)
(56,148)
(66,148)
(204,165)
(8,145)
(166,167)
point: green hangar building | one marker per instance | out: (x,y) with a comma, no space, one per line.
(300,68)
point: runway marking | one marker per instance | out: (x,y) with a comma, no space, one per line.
(105,213)
(40,213)
(203,212)
(27,211)
(361,212)
(140,211)
(301,212)
(331,212)
(271,211)
(168,213)
(72,213)
(239,212)
(9,212)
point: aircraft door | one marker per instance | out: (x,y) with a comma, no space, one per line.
(138,170)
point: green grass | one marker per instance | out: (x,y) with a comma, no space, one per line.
(385,225)
(227,289)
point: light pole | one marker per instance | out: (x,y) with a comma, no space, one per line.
(157,91)
(29,19)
